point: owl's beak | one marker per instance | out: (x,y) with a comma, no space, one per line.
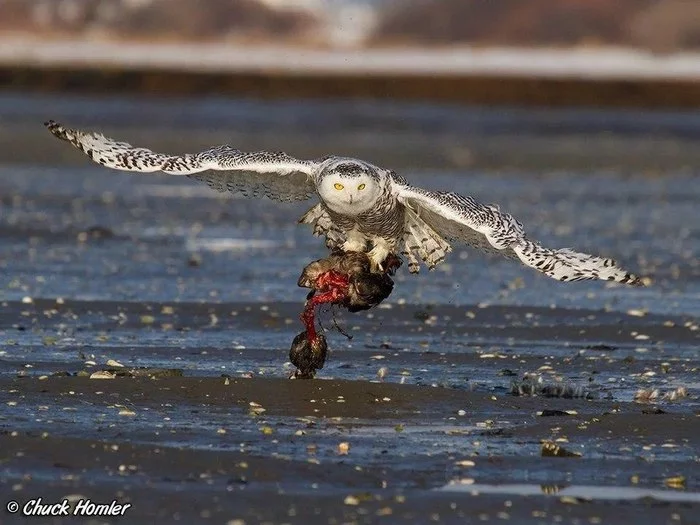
(350,201)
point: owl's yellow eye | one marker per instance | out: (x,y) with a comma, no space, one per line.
(338,186)
(361,186)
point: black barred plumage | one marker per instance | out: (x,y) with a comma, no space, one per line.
(362,207)
(274,175)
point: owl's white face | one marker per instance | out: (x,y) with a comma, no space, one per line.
(348,192)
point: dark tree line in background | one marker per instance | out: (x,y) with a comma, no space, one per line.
(155,19)
(659,25)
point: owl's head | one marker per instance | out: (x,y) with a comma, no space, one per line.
(349,186)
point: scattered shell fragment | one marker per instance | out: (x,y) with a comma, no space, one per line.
(114,363)
(256,408)
(569,500)
(126,412)
(343,448)
(552,450)
(550,489)
(463,481)
(675,482)
(103,374)
(351,500)
(678,393)
(651,395)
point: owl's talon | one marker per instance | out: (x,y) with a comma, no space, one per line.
(377,256)
(376,267)
(392,263)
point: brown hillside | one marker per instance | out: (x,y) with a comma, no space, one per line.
(653,24)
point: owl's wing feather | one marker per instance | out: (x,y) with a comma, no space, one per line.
(487,228)
(259,174)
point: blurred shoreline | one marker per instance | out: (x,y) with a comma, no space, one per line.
(609,77)
(608,63)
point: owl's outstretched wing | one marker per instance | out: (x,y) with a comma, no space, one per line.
(460,218)
(260,174)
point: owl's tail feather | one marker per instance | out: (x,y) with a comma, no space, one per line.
(568,265)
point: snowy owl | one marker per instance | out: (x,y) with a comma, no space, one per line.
(362,208)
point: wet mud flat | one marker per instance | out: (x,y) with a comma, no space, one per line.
(442,436)
(409,459)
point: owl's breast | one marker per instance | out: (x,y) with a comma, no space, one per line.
(384,220)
